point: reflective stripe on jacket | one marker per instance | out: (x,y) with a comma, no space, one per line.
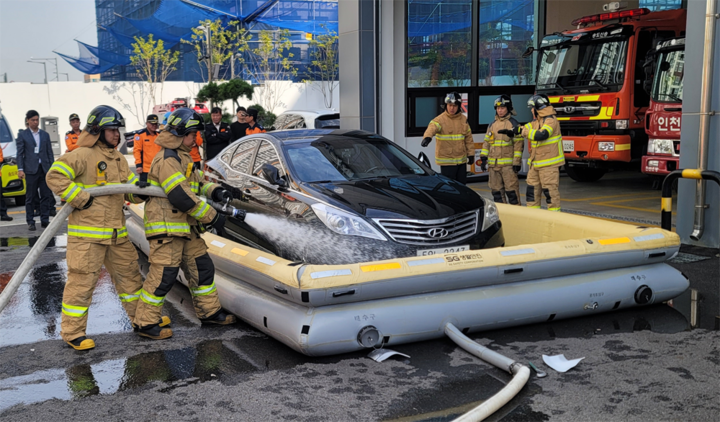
(545,140)
(80,169)
(454,141)
(500,149)
(173,171)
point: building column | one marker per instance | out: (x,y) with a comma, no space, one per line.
(358,64)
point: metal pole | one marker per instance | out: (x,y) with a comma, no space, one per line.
(705,110)
(209,53)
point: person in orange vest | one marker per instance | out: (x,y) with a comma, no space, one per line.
(195,152)
(145,147)
(251,120)
(71,137)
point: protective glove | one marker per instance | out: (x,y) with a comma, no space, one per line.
(141,184)
(517,130)
(483,163)
(425,142)
(218,223)
(88,204)
(507,132)
(471,159)
(221,195)
(517,169)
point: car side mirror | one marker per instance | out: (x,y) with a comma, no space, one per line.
(270,173)
(424,159)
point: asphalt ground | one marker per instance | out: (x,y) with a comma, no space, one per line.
(652,363)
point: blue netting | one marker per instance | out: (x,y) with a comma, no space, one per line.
(306,16)
(88,51)
(87,66)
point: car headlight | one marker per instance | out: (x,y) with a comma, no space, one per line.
(491,214)
(606,146)
(660,146)
(345,223)
(621,124)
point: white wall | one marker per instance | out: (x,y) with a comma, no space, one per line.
(60,99)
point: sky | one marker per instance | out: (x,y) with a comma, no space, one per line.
(34,28)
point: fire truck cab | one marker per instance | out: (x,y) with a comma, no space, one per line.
(662,120)
(594,78)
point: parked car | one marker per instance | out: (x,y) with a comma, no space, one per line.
(300,119)
(333,197)
(12,185)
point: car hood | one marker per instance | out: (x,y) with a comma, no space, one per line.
(419,197)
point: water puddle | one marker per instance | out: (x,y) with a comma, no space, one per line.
(33,313)
(209,360)
(19,243)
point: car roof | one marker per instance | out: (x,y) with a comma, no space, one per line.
(310,113)
(292,136)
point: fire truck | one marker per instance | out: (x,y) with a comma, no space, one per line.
(662,119)
(594,78)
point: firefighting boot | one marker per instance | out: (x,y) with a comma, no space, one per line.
(155,332)
(164,322)
(81,343)
(220,318)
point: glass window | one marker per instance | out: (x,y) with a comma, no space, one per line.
(668,81)
(266,155)
(439,43)
(241,158)
(506,30)
(486,112)
(657,5)
(329,121)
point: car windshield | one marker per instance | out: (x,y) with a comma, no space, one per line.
(596,64)
(337,159)
(668,81)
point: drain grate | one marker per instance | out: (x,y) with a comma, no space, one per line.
(687,258)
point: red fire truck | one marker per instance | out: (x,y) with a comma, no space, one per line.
(594,78)
(662,120)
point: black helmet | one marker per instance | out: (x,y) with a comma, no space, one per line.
(538,101)
(103,117)
(504,101)
(453,98)
(183,121)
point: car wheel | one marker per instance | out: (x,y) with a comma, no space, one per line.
(20,200)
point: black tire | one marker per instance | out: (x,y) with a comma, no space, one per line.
(585,174)
(20,200)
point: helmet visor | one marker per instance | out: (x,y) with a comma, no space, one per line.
(450,98)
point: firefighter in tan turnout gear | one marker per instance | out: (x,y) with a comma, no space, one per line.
(501,153)
(173,226)
(96,228)
(546,154)
(454,147)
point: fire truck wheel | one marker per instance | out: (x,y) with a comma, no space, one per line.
(585,174)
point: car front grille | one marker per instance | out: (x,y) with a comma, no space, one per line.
(431,232)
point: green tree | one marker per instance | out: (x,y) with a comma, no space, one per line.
(225,41)
(324,64)
(234,89)
(211,93)
(153,62)
(271,66)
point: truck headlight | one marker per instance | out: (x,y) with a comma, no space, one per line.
(342,222)
(621,124)
(660,146)
(490,212)
(606,146)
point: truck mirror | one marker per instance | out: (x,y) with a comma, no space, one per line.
(550,58)
(528,52)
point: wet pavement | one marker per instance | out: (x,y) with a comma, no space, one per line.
(653,363)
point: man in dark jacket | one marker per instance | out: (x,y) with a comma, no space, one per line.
(34,157)
(238,128)
(217,134)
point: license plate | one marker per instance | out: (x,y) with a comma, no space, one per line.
(440,251)
(568,146)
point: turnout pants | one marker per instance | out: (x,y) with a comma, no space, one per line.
(504,181)
(167,256)
(85,259)
(543,181)
(458,172)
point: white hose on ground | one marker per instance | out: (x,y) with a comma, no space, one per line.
(520,373)
(55,225)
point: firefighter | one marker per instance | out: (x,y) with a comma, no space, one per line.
(71,137)
(173,226)
(145,148)
(96,227)
(546,154)
(502,151)
(253,126)
(454,147)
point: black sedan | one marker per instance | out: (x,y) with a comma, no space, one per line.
(337,196)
